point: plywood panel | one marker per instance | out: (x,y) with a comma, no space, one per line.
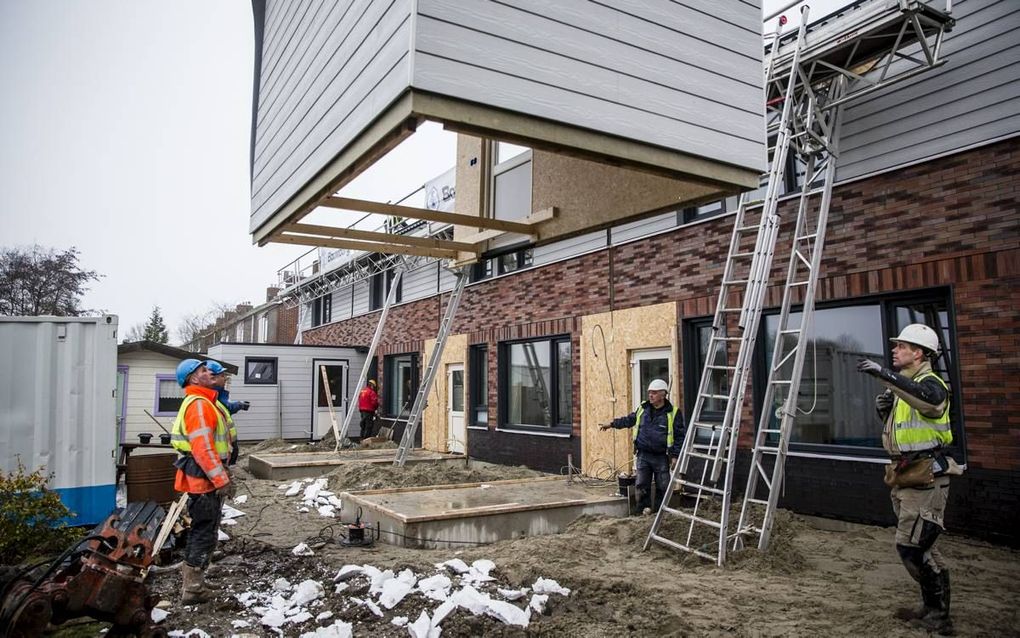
(605,375)
(435,425)
(588,194)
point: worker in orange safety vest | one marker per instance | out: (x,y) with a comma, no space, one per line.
(201,437)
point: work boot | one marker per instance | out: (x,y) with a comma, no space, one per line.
(193,588)
(935,590)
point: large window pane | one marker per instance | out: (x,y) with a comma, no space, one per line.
(835,404)
(400,383)
(537,383)
(479,386)
(530,377)
(457,391)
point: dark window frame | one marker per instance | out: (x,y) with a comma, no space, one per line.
(389,378)
(478,392)
(249,380)
(503,378)
(379,287)
(322,310)
(888,303)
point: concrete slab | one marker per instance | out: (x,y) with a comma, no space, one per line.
(296,465)
(433,516)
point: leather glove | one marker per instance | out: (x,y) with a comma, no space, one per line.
(884,401)
(235,451)
(868,366)
(244,405)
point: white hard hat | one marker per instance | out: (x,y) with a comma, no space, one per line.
(657,384)
(919,335)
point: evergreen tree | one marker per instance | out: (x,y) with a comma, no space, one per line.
(155,329)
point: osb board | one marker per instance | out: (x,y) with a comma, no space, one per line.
(625,330)
(435,425)
(590,194)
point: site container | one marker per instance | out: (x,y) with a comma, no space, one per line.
(58,379)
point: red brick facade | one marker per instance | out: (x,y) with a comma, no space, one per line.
(952,222)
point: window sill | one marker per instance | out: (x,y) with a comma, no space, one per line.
(559,433)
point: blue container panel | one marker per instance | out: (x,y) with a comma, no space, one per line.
(91,504)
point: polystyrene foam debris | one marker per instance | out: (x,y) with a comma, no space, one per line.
(335,501)
(247,598)
(240,500)
(378,578)
(442,611)
(240,624)
(369,604)
(456,565)
(230,512)
(281,584)
(313,490)
(340,588)
(273,618)
(303,510)
(324,615)
(393,591)
(399,621)
(306,592)
(470,599)
(509,614)
(221,535)
(513,594)
(423,628)
(302,550)
(327,511)
(435,587)
(228,521)
(539,602)
(483,566)
(549,586)
(294,488)
(198,633)
(158,615)
(299,617)
(348,571)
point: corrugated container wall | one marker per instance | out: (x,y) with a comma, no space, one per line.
(58,380)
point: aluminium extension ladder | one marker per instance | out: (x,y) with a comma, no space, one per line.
(421,399)
(812,94)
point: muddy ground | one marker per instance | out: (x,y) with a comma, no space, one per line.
(812,582)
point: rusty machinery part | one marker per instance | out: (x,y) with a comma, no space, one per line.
(99,576)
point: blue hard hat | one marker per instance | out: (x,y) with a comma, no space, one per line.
(185,368)
(215,367)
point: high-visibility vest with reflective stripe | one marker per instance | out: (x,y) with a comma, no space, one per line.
(179,436)
(231,428)
(914,431)
(670,417)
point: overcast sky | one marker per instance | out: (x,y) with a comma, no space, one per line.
(125,131)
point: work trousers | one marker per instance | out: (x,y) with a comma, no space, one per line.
(650,466)
(913,506)
(367,424)
(205,511)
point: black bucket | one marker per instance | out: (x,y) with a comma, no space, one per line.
(164,438)
(144,437)
(624,481)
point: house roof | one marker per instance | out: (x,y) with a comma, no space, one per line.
(170,351)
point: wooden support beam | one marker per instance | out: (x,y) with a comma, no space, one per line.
(364,206)
(372,247)
(388,238)
(534,218)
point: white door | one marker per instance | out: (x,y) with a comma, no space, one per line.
(456,428)
(330,393)
(646,365)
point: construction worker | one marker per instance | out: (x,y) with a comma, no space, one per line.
(201,437)
(228,407)
(368,403)
(915,410)
(658,434)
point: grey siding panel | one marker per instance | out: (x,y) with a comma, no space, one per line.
(446,280)
(971,99)
(293,392)
(642,228)
(305,316)
(569,247)
(464,53)
(360,303)
(626,58)
(420,282)
(361,65)
(342,304)
(281,53)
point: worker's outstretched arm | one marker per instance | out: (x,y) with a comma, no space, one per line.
(200,425)
(927,395)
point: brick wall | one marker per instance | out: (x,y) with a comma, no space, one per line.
(952,222)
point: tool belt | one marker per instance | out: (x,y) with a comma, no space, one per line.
(187,464)
(918,469)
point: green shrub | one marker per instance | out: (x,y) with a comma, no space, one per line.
(33,520)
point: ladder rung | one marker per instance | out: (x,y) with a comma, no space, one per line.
(757,501)
(770,431)
(715,396)
(808,236)
(706,488)
(767,449)
(682,547)
(782,381)
(749,253)
(735,282)
(692,517)
(790,331)
(702,455)
(714,367)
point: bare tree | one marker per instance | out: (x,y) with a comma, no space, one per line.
(135,333)
(196,324)
(43,281)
